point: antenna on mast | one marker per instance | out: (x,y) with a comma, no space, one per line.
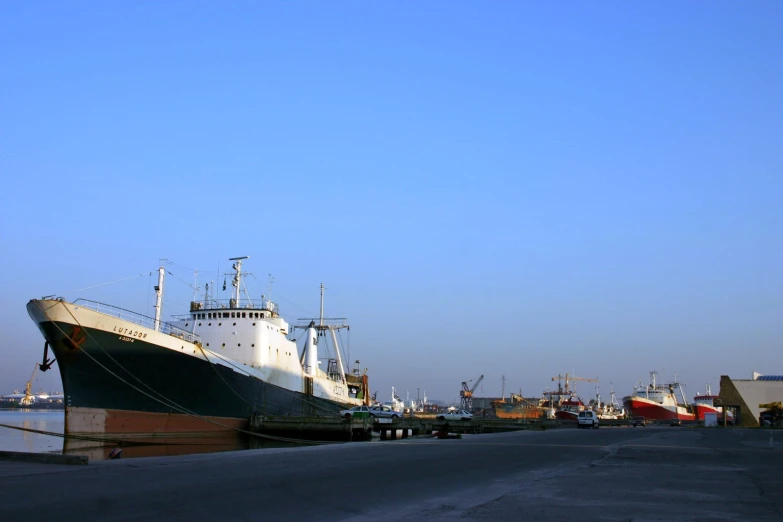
(321,317)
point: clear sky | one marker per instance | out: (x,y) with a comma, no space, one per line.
(499,188)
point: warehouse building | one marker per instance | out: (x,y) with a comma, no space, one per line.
(744,396)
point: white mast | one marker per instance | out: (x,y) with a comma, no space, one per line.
(321,323)
(159,296)
(237,279)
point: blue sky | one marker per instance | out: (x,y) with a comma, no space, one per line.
(518,189)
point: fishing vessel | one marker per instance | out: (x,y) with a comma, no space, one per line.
(568,404)
(657,401)
(569,408)
(517,407)
(208,370)
(607,410)
(706,404)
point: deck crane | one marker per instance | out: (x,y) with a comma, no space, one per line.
(466,394)
(572,378)
(29,398)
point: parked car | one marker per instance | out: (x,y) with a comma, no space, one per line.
(381,411)
(357,412)
(639,421)
(675,422)
(587,419)
(455,415)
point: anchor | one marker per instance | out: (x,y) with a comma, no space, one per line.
(47,363)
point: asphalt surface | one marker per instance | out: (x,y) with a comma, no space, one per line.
(666,473)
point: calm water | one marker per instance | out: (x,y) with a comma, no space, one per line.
(54,421)
(42,420)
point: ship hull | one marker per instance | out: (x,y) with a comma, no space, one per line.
(566,415)
(701,409)
(516,411)
(651,410)
(139,383)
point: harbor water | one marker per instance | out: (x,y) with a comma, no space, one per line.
(32,422)
(39,420)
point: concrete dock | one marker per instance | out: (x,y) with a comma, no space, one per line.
(654,473)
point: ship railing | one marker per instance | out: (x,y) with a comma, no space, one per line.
(139,319)
(228,304)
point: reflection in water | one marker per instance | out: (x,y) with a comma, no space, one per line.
(54,422)
(42,420)
(169,446)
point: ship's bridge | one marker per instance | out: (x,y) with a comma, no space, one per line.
(227,309)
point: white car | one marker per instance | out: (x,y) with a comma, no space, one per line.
(587,419)
(455,415)
(357,412)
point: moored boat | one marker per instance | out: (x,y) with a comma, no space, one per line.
(517,407)
(706,404)
(569,408)
(657,401)
(209,370)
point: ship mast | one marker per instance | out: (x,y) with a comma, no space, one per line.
(321,327)
(321,317)
(159,296)
(237,280)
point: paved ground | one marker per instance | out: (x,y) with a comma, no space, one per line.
(670,474)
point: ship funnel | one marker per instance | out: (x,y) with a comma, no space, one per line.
(311,352)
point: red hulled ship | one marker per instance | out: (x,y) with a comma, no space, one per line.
(657,401)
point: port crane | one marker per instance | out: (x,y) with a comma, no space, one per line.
(567,378)
(466,394)
(29,398)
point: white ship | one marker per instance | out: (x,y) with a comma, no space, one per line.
(208,370)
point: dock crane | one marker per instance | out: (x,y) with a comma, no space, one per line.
(29,398)
(559,378)
(466,394)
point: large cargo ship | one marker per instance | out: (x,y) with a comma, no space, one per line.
(209,370)
(657,401)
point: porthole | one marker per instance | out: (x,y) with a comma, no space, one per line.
(210,324)
(253,345)
(199,324)
(238,344)
(220,324)
(254,324)
(207,344)
(235,324)
(186,324)
(224,344)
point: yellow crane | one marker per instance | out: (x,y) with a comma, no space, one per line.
(29,398)
(559,378)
